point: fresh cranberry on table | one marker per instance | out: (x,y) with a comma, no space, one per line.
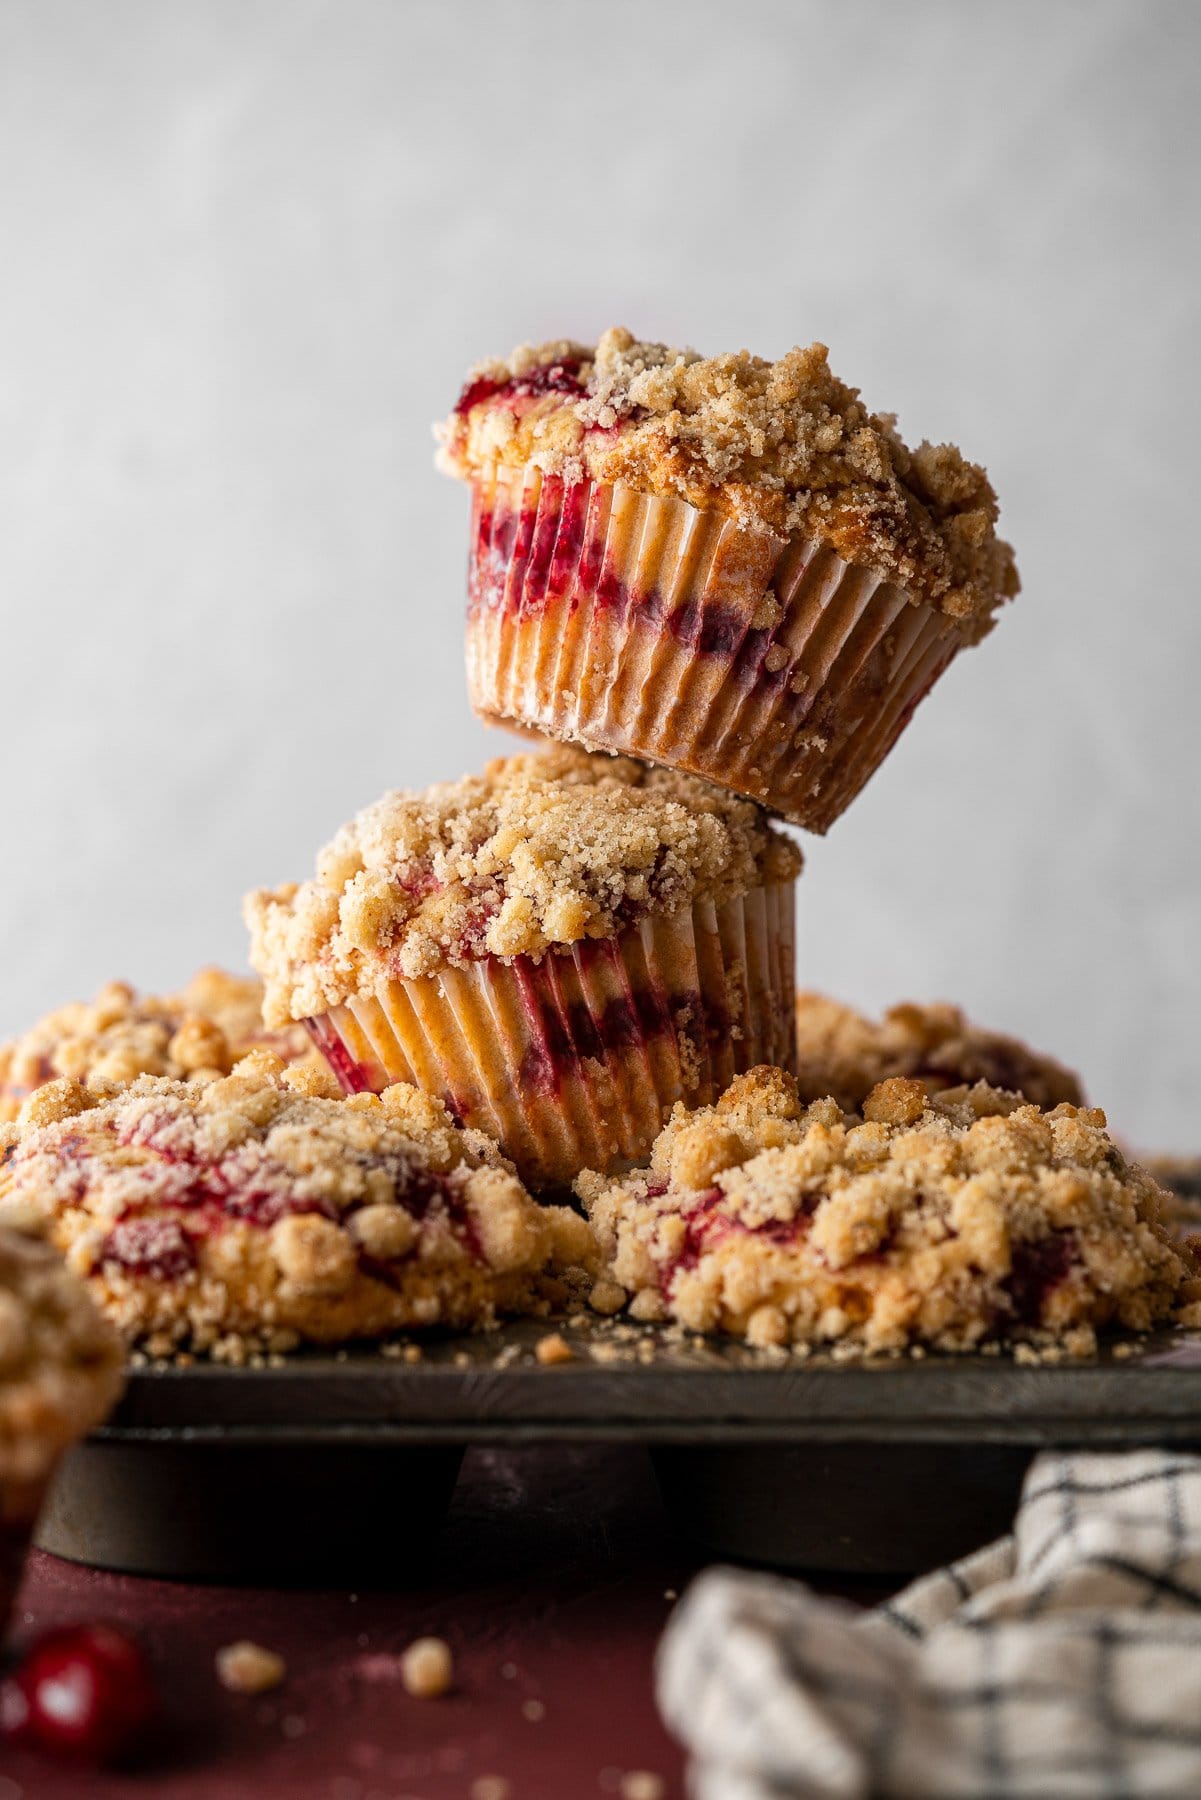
(80,1690)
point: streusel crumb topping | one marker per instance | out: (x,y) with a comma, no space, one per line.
(60,1362)
(784,446)
(540,850)
(194,1035)
(248,1208)
(844,1054)
(946,1219)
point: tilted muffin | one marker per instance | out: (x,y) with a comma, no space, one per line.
(560,949)
(720,564)
(245,1212)
(60,1374)
(844,1054)
(194,1035)
(947,1219)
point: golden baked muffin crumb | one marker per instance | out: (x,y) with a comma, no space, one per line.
(949,1219)
(60,1362)
(243,1213)
(539,850)
(844,1054)
(194,1035)
(784,446)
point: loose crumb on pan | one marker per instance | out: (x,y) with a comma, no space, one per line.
(554,1348)
(540,850)
(248,1668)
(946,1219)
(844,1054)
(427,1668)
(784,446)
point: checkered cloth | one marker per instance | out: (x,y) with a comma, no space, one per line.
(1064,1660)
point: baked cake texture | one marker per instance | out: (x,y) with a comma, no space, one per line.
(720,565)
(782,446)
(541,851)
(559,949)
(60,1361)
(949,1220)
(248,1213)
(194,1035)
(844,1054)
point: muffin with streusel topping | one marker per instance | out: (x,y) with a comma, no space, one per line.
(947,1219)
(560,949)
(247,1213)
(60,1373)
(843,1054)
(193,1035)
(719,564)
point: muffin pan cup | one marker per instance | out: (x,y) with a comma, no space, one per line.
(574,1062)
(638,623)
(340,1468)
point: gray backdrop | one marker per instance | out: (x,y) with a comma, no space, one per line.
(247,250)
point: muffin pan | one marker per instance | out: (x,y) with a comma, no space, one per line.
(331,1467)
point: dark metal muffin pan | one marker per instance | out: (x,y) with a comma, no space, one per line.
(332,1466)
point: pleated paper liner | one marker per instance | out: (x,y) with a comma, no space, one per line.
(575,1061)
(637,623)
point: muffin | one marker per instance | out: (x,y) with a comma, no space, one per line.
(245,1213)
(842,1054)
(948,1220)
(559,949)
(191,1036)
(719,564)
(60,1373)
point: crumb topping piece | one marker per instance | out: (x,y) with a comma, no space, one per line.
(247,1668)
(539,850)
(843,1054)
(60,1362)
(246,1213)
(427,1668)
(946,1219)
(783,446)
(194,1035)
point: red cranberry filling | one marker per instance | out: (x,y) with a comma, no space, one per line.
(157,1247)
(1036,1270)
(547,378)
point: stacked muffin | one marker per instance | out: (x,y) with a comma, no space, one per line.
(719,587)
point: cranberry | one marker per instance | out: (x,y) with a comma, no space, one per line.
(157,1247)
(81,1690)
(546,378)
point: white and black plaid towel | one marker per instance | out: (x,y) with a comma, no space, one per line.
(1064,1660)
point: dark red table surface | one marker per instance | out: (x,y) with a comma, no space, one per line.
(551,1581)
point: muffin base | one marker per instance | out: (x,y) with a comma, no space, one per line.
(638,624)
(575,1061)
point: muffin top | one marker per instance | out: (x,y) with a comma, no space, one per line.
(246,1206)
(60,1362)
(784,446)
(540,850)
(843,1054)
(947,1219)
(196,1034)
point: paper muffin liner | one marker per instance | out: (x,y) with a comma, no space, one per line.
(574,1062)
(20,1504)
(637,623)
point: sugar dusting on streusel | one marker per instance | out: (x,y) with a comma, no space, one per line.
(843,1054)
(249,1212)
(943,1219)
(783,445)
(539,850)
(196,1034)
